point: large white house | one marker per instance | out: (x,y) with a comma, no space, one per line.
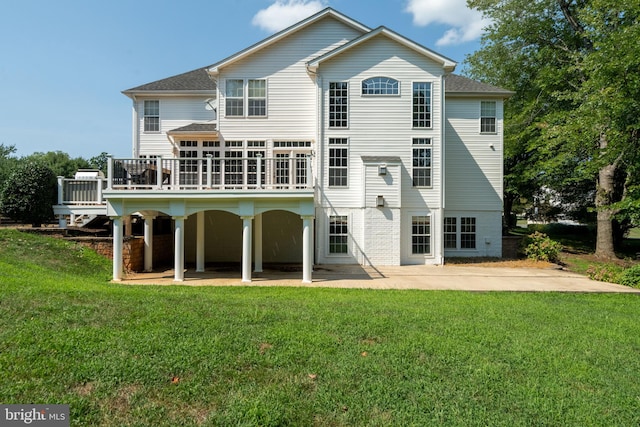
(327,143)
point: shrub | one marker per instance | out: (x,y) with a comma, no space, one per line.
(604,273)
(539,247)
(29,193)
(630,276)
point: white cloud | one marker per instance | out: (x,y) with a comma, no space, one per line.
(284,13)
(467,24)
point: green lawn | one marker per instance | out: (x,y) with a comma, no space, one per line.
(122,355)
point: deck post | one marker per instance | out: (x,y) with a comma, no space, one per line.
(306,248)
(178,259)
(60,190)
(148,243)
(117,248)
(258,244)
(259,171)
(209,170)
(200,242)
(109,171)
(159,175)
(99,182)
(246,248)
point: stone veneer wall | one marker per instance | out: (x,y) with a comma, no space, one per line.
(132,250)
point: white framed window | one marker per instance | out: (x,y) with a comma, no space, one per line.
(421,162)
(338,104)
(151,115)
(380,86)
(291,164)
(487,116)
(338,162)
(257,98)
(467,233)
(421,104)
(338,234)
(234,97)
(451,233)
(420,235)
(188,172)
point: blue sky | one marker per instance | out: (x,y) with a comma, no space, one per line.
(64,63)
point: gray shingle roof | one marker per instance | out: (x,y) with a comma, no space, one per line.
(196,128)
(195,80)
(460,85)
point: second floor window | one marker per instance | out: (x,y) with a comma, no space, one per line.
(234,94)
(338,162)
(257,98)
(421,157)
(422,105)
(488,117)
(338,105)
(380,86)
(152,116)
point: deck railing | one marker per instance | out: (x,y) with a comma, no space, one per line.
(252,173)
(81,191)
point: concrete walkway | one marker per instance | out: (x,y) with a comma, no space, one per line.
(462,278)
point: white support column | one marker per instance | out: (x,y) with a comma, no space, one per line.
(178,259)
(117,248)
(258,244)
(148,243)
(62,222)
(306,248)
(200,242)
(246,248)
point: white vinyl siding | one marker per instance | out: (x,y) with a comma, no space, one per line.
(175,112)
(383,125)
(473,160)
(292,96)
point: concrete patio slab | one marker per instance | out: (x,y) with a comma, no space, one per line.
(462,278)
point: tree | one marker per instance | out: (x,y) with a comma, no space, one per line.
(100,162)
(7,161)
(575,68)
(60,163)
(29,193)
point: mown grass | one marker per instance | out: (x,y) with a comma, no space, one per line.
(122,355)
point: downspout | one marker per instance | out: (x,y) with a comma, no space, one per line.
(135,128)
(320,152)
(443,124)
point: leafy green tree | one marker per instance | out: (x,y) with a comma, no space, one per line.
(576,70)
(29,193)
(100,162)
(60,163)
(7,161)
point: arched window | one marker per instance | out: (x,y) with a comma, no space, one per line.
(380,86)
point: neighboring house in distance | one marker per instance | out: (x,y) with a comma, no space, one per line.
(328,143)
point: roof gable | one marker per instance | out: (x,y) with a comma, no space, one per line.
(446,63)
(328,12)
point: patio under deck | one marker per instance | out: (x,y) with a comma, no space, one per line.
(179,188)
